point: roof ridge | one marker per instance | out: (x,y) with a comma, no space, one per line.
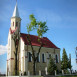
(30,34)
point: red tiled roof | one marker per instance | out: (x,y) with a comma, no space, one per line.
(34,40)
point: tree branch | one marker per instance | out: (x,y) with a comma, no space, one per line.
(28,38)
(39,51)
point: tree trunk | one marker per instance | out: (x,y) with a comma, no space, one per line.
(34,73)
(33,54)
(16,62)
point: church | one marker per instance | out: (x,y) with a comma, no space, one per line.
(24,58)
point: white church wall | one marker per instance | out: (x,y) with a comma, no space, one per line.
(40,65)
(25,62)
(12,48)
(10,55)
(22,55)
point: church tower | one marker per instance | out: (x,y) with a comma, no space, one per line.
(14,30)
(15,20)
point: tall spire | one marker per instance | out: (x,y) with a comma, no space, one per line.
(16,13)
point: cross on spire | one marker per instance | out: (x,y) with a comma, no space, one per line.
(16,13)
(16,2)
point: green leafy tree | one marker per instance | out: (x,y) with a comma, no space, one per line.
(41,29)
(64,62)
(69,62)
(51,66)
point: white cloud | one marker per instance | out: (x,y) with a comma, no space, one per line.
(3,49)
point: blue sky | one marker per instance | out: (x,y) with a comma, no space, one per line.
(61,18)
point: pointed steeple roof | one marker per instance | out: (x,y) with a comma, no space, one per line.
(16,13)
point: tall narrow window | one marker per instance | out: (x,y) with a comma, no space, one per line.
(13,23)
(49,55)
(56,57)
(38,58)
(29,56)
(16,24)
(43,58)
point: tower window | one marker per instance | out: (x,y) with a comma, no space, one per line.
(13,23)
(16,24)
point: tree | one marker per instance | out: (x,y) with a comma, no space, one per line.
(64,62)
(16,39)
(69,62)
(41,28)
(51,66)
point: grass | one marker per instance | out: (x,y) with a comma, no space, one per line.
(67,76)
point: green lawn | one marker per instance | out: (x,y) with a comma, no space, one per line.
(67,76)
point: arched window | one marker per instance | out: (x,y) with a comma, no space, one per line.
(29,57)
(16,24)
(43,57)
(56,57)
(49,55)
(13,23)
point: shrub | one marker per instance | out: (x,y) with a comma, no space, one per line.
(24,73)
